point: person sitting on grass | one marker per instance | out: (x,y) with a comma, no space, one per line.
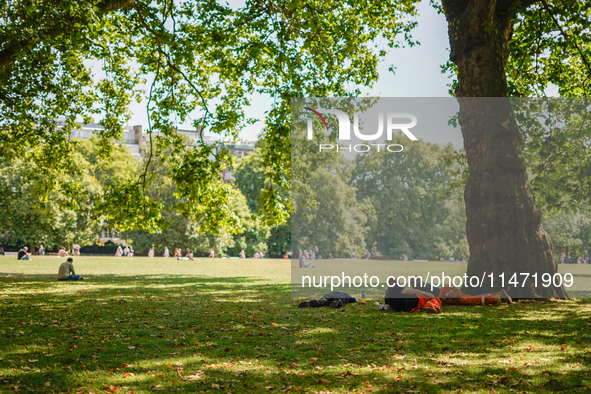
(23,254)
(62,252)
(334,299)
(302,260)
(189,256)
(453,296)
(400,299)
(67,272)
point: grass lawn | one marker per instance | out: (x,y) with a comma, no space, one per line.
(222,325)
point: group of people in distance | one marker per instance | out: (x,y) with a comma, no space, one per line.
(178,253)
(23,253)
(257,255)
(419,298)
(580,260)
(305,256)
(128,251)
(452,259)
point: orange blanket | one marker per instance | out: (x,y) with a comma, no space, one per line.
(453,296)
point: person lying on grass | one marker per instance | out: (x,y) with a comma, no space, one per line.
(67,272)
(453,296)
(334,299)
(400,299)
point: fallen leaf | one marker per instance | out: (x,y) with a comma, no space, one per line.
(195,376)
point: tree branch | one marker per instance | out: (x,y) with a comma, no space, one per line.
(566,37)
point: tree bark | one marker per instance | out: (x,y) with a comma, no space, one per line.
(503,226)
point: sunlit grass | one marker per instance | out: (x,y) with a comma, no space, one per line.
(219,325)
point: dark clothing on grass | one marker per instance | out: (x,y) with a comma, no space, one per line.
(340,298)
(400,302)
(336,295)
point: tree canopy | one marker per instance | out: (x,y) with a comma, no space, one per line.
(196,60)
(408,193)
(200,61)
(70,213)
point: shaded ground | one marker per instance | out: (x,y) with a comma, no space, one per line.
(238,333)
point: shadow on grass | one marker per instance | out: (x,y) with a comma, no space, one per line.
(149,333)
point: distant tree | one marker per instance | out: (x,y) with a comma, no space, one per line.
(112,171)
(203,59)
(253,236)
(62,218)
(250,179)
(279,240)
(336,223)
(407,191)
(451,233)
(570,231)
(178,230)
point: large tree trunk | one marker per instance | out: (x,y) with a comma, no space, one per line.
(503,222)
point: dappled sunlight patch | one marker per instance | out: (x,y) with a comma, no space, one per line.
(236,300)
(316,331)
